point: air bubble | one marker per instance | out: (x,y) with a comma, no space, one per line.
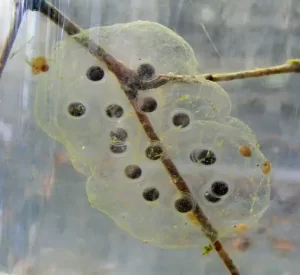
(76,109)
(181,120)
(133,172)
(95,73)
(114,111)
(151,194)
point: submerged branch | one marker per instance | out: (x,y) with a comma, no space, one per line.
(291,66)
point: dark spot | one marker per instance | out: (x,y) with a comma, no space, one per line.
(45,68)
(289,111)
(148,105)
(145,72)
(184,205)
(118,136)
(241,243)
(151,194)
(131,94)
(211,198)
(255,106)
(95,73)
(206,157)
(31,270)
(181,120)
(154,152)
(114,111)
(117,149)
(76,109)
(210,77)
(219,188)
(261,230)
(133,172)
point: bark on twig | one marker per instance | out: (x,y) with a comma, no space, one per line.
(291,66)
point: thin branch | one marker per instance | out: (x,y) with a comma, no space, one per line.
(18,15)
(291,66)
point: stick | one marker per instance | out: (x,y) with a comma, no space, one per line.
(291,66)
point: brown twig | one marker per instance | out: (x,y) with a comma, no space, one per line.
(291,66)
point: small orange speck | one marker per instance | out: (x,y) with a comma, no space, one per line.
(276,219)
(192,218)
(284,245)
(61,158)
(241,243)
(182,241)
(281,220)
(245,151)
(266,167)
(39,64)
(145,241)
(240,228)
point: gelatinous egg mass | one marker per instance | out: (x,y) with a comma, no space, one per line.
(80,103)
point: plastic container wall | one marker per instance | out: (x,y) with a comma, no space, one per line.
(48,225)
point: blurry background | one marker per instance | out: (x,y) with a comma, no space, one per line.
(227,35)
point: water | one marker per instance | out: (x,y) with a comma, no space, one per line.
(46,219)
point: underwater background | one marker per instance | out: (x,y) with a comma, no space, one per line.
(226,35)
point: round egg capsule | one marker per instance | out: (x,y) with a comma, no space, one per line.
(145,71)
(95,73)
(184,204)
(151,194)
(220,188)
(76,109)
(133,171)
